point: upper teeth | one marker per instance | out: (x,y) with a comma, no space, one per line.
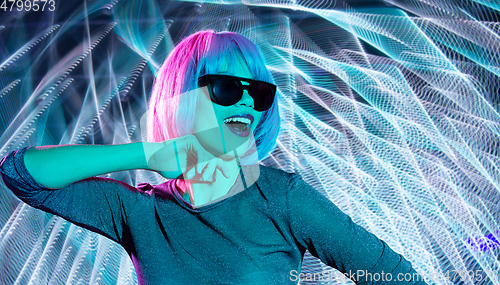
(237,120)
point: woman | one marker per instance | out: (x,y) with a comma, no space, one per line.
(221,218)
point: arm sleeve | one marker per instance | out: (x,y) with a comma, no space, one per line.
(330,235)
(98,204)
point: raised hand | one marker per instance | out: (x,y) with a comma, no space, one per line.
(184,156)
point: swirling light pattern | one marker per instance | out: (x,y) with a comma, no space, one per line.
(390,109)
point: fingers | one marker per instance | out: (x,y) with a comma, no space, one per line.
(200,169)
(222,166)
(206,164)
(207,171)
(191,173)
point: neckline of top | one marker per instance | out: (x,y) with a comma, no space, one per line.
(247,174)
(204,207)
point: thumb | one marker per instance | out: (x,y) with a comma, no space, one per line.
(224,169)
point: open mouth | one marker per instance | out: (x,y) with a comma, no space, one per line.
(239,125)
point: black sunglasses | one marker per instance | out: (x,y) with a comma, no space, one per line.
(227,90)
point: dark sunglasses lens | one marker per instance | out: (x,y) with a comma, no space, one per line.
(226,91)
(263,96)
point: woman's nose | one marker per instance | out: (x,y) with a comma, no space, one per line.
(246,100)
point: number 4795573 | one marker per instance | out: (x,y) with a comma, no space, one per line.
(28,5)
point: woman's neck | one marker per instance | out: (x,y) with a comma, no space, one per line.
(203,192)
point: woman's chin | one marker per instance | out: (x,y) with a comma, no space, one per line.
(228,154)
(230,147)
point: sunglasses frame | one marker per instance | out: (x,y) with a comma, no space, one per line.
(209,79)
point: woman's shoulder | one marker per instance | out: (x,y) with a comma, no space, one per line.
(276,174)
(278,181)
(163,190)
(275,185)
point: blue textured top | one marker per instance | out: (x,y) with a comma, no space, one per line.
(256,236)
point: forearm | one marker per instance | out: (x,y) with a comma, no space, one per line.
(58,166)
